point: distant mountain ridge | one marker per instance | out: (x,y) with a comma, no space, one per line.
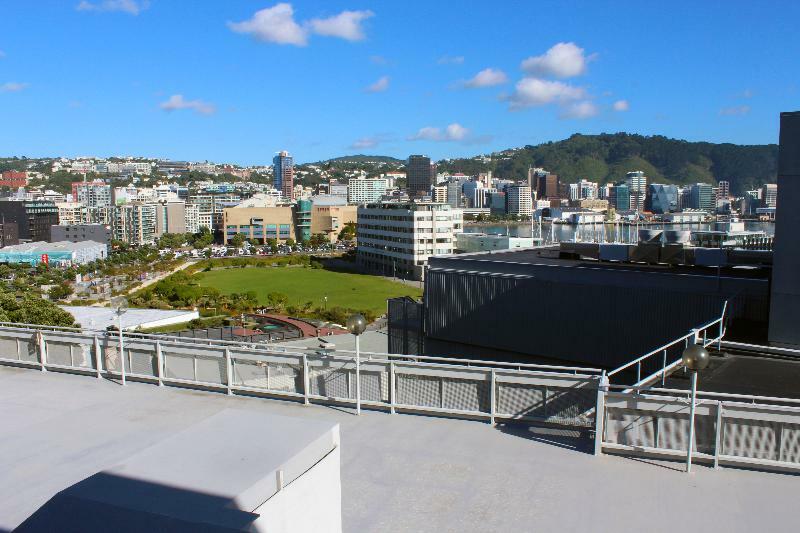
(607,157)
(361,158)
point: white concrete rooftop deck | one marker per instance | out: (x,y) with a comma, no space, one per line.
(399,472)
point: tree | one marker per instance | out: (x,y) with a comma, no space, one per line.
(348,232)
(62,291)
(291,243)
(203,239)
(31,309)
(238,240)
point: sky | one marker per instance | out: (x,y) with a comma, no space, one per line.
(238,80)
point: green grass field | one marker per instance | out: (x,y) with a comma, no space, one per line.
(301,285)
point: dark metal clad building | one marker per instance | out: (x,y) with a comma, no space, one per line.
(784,323)
(534,305)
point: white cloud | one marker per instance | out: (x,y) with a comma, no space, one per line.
(379,86)
(450,60)
(274,24)
(177,101)
(580,110)
(13,87)
(621,105)
(132,7)
(563,60)
(735,110)
(346,25)
(365,142)
(453,132)
(533,92)
(486,78)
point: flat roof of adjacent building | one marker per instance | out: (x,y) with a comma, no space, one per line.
(43,247)
(399,472)
(102,317)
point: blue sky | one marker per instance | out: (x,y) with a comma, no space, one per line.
(236,81)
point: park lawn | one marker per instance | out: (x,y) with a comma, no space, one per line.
(303,284)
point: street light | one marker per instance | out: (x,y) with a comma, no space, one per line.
(695,358)
(120,305)
(356,325)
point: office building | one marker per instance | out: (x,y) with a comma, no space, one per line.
(662,198)
(192,218)
(134,223)
(81,233)
(283,174)
(701,196)
(419,175)
(170,218)
(619,196)
(397,238)
(769,195)
(724,187)
(260,223)
(583,189)
(519,200)
(302,216)
(637,186)
(547,186)
(329,220)
(365,190)
(9,234)
(33,217)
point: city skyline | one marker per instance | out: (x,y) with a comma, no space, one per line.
(240,81)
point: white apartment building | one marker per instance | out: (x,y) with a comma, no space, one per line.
(583,190)
(136,167)
(397,238)
(519,200)
(93,194)
(637,185)
(365,190)
(192,218)
(69,213)
(440,194)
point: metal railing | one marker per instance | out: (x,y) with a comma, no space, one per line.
(461,388)
(660,363)
(732,429)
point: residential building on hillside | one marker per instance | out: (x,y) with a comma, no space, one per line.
(13,179)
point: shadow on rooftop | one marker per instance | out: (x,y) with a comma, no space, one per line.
(569,439)
(110,502)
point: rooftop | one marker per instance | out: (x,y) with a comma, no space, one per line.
(99,318)
(399,472)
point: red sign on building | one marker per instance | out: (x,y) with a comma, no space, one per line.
(45,259)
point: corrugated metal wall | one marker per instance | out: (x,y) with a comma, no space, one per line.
(601,321)
(405,322)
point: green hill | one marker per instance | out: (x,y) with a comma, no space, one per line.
(361,158)
(607,157)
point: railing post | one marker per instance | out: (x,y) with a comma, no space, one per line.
(228,372)
(98,358)
(492,402)
(664,369)
(392,391)
(42,351)
(638,372)
(718,436)
(159,364)
(600,413)
(306,401)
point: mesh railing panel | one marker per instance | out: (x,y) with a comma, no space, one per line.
(178,366)
(465,395)
(281,377)
(630,428)
(754,439)
(790,443)
(418,390)
(285,377)
(250,374)
(59,353)
(673,432)
(211,370)
(570,405)
(332,382)
(9,349)
(520,400)
(374,386)
(142,362)
(28,351)
(111,357)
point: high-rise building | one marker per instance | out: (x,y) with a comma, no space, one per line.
(769,195)
(92,194)
(283,171)
(547,186)
(454,193)
(170,218)
(619,196)
(583,190)
(134,223)
(637,185)
(519,200)
(428,229)
(440,194)
(419,175)
(701,196)
(724,190)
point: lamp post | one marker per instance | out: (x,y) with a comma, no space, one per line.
(120,305)
(356,324)
(695,358)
